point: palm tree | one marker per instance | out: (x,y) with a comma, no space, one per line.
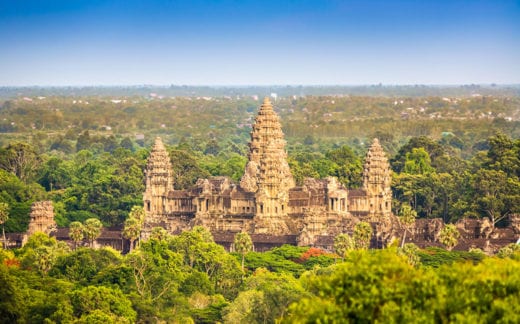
(243,244)
(342,244)
(92,230)
(138,213)
(76,232)
(362,235)
(449,236)
(158,233)
(4,216)
(407,217)
(132,230)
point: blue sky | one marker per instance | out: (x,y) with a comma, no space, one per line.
(76,42)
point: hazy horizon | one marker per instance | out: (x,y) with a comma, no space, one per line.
(259,43)
(164,85)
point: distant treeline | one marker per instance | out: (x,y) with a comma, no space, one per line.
(281,90)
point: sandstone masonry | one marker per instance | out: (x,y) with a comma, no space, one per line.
(266,202)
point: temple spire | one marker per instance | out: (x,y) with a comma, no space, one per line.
(377,180)
(267,153)
(159,178)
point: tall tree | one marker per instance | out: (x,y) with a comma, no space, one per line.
(449,236)
(83,141)
(342,244)
(4,216)
(497,195)
(76,232)
(132,230)
(433,149)
(138,213)
(92,230)
(407,218)
(362,235)
(159,234)
(418,161)
(243,244)
(20,159)
(504,154)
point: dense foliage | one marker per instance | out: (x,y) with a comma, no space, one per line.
(188,278)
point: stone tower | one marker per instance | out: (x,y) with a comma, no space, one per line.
(158,179)
(267,147)
(377,181)
(42,218)
(267,172)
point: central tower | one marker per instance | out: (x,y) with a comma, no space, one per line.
(267,172)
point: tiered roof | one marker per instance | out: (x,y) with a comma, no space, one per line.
(158,169)
(267,167)
(376,169)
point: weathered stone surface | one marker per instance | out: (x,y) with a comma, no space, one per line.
(42,218)
(377,180)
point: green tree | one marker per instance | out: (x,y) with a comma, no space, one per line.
(410,251)
(343,243)
(12,303)
(511,250)
(41,252)
(276,291)
(248,307)
(433,149)
(132,230)
(418,162)
(138,213)
(55,174)
(76,232)
(407,218)
(83,142)
(92,229)
(362,235)
(484,293)
(159,234)
(4,216)
(233,166)
(349,167)
(127,143)
(449,236)
(83,265)
(369,287)
(186,169)
(243,244)
(157,272)
(504,155)
(102,300)
(21,159)
(200,252)
(497,195)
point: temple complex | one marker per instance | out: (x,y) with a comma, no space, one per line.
(266,202)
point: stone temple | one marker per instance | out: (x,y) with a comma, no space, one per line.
(266,203)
